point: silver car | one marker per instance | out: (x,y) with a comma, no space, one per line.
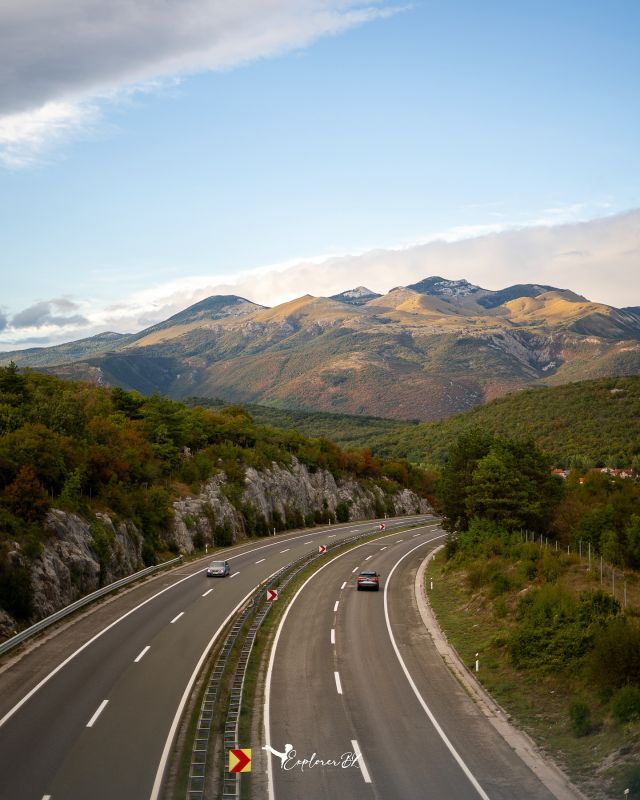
(369,579)
(218,569)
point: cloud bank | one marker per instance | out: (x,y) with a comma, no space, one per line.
(599,259)
(61,59)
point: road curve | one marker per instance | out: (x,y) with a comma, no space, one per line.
(86,713)
(336,685)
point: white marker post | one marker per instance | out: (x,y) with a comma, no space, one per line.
(477,662)
(432,583)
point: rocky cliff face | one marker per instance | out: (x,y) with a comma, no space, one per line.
(284,493)
(79,556)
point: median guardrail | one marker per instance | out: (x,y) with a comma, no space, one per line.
(9,644)
(258,607)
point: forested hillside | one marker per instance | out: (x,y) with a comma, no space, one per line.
(541,577)
(347,430)
(590,423)
(89,450)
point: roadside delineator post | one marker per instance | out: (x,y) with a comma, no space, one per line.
(477,662)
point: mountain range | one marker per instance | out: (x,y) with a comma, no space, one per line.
(423,351)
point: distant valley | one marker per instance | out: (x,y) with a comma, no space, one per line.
(422,352)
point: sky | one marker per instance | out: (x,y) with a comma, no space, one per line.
(154,153)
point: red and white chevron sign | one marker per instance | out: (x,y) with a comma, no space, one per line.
(272,594)
(382,526)
(322,548)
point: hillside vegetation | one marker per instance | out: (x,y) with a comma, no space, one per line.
(88,449)
(590,423)
(540,578)
(347,430)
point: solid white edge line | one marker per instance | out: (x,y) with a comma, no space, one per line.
(266,715)
(64,663)
(335,608)
(157,784)
(142,654)
(419,697)
(333,635)
(343,585)
(89,642)
(97,713)
(177,617)
(336,675)
(359,757)
(207,592)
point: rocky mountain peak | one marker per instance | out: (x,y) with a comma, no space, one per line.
(442,287)
(357,296)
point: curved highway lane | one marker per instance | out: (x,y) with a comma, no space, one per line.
(337,685)
(88,712)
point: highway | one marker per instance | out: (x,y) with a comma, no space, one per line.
(90,711)
(357,672)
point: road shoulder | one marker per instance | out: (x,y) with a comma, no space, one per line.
(546,771)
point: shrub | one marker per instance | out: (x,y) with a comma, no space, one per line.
(625,704)
(342,511)
(16,590)
(615,659)
(223,534)
(632,779)
(580,715)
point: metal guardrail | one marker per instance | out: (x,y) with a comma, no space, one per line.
(200,749)
(9,644)
(231,781)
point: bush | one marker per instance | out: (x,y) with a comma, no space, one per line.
(615,659)
(632,779)
(342,511)
(580,715)
(223,534)
(625,704)
(16,589)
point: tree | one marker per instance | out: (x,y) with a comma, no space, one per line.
(12,385)
(498,492)
(457,475)
(505,481)
(27,497)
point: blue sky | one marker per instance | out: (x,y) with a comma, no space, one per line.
(133,182)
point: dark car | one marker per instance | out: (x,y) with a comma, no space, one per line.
(218,569)
(369,579)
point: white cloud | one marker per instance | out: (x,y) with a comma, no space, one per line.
(26,135)
(60,60)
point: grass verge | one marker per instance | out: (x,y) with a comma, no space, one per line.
(479,605)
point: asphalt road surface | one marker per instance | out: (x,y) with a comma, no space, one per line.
(88,713)
(336,686)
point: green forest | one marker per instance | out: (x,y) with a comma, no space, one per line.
(590,423)
(508,484)
(541,576)
(583,424)
(83,448)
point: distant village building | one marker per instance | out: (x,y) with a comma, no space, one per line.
(626,473)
